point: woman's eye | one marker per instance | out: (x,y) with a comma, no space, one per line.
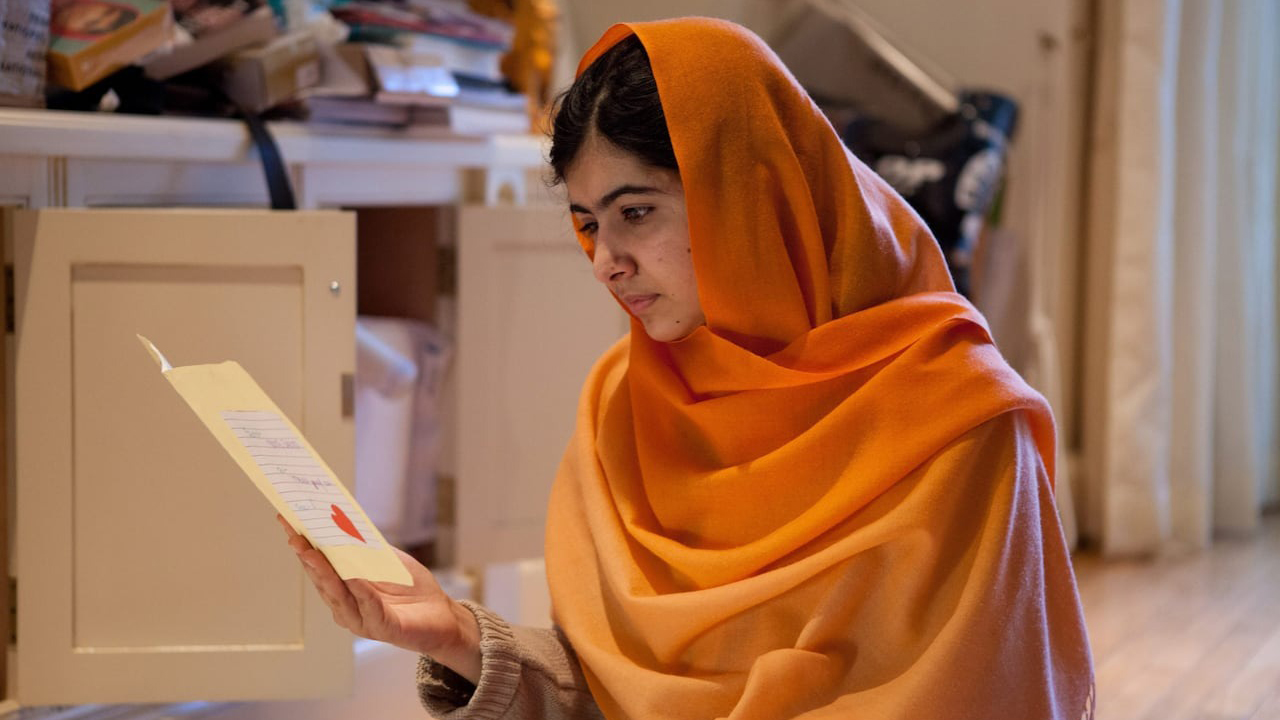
(587,228)
(635,214)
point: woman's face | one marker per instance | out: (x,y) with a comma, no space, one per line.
(634,213)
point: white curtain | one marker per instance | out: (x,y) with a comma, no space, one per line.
(1181,416)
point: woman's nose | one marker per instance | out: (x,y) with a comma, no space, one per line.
(608,265)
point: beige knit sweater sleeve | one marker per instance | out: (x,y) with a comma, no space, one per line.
(526,673)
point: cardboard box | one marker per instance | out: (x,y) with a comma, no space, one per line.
(255,28)
(263,77)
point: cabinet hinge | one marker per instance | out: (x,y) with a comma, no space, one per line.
(8,298)
(447,270)
(347,388)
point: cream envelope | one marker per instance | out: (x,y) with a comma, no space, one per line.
(284,467)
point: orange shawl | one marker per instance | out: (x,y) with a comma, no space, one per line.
(834,500)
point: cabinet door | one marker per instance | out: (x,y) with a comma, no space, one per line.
(24,182)
(149,569)
(532,320)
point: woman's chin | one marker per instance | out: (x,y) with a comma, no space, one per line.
(668,332)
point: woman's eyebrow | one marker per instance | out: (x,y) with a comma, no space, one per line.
(607,199)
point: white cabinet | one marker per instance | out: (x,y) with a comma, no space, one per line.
(148,568)
(531,322)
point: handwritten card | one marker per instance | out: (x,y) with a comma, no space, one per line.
(300,478)
(284,467)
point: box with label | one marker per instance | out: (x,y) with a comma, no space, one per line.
(90,39)
(263,77)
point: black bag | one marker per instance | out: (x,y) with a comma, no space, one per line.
(950,174)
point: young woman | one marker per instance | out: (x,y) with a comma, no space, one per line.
(806,485)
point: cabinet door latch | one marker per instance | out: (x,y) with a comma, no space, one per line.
(348,395)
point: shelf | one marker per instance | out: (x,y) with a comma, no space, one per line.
(49,133)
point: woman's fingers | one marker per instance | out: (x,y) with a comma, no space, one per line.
(356,605)
(296,541)
(368,604)
(334,604)
(288,529)
(344,609)
(332,589)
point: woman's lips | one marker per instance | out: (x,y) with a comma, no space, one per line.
(637,303)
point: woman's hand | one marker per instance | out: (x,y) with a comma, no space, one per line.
(421,618)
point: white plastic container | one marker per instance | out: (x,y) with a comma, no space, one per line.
(399,366)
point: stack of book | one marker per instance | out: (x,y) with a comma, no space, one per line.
(429,67)
(422,67)
(440,18)
(91,39)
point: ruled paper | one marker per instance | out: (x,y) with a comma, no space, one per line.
(301,480)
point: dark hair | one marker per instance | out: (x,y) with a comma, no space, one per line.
(617,97)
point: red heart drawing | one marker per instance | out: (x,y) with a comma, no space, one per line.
(340,519)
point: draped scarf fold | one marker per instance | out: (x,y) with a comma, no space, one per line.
(834,499)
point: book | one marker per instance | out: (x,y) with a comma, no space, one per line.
(24,43)
(465,59)
(354,110)
(217,41)
(91,39)
(491,96)
(203,17)
(446,19)
(469,120)
(365,116)
(404,77)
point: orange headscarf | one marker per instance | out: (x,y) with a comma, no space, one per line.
(833,500)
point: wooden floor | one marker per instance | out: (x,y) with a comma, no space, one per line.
(1195,637)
